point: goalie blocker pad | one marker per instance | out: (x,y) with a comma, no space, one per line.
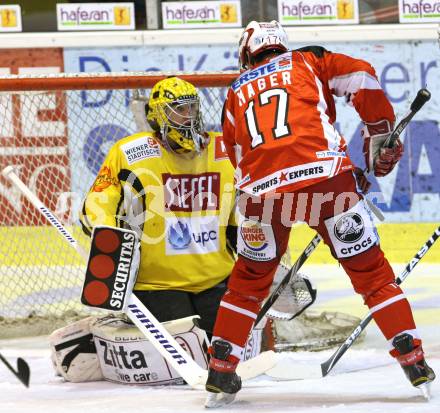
(111,348)
(111,268)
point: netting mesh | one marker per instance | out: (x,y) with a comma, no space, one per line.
(56,140)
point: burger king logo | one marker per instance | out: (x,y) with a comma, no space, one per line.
(253,236)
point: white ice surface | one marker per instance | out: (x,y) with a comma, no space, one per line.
(366,380)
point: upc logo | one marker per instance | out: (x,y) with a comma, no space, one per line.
(192,235)
(179,235)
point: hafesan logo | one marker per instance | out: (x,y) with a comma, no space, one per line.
(9,18)
(345,9)
(228,13)
(121,16)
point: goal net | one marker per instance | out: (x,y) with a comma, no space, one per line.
(55,130)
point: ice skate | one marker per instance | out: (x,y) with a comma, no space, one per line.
(414,364)
(223,382)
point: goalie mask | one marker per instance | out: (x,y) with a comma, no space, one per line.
(173,111)
(259,37)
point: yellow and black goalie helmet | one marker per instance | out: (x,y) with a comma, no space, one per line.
(173,110)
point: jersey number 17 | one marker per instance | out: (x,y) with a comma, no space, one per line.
(281,127)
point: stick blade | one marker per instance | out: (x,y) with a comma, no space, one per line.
(23,371)
(289,369)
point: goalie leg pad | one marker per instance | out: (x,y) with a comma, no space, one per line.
(73,352)
(127,357)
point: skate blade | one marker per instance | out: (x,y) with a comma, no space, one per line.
(216,400)
(425,388)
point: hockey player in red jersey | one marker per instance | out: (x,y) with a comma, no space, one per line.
(292,165)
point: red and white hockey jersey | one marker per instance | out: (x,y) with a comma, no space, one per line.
(278,118)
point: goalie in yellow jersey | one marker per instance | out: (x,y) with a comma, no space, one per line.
(174,187)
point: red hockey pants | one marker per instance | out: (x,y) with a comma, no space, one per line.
(369,271)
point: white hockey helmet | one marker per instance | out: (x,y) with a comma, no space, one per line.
(259,37)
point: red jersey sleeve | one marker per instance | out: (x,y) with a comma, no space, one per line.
(356,80)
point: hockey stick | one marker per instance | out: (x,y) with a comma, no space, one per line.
(328,365)
(289,369)
(423,95)
(285,281)
(23,372)
(162,340)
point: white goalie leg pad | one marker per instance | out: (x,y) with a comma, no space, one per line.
(126,356)
(73,352)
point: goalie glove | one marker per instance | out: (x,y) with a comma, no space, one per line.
(298,295)
(379,159)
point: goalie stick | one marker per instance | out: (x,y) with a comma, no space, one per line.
(165,344)
(23,372)
(304,370)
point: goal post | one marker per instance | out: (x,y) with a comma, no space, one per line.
(55,131)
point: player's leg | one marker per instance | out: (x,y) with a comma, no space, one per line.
(260,247)
(353,240)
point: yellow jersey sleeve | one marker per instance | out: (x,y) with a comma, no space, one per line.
(102,202)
